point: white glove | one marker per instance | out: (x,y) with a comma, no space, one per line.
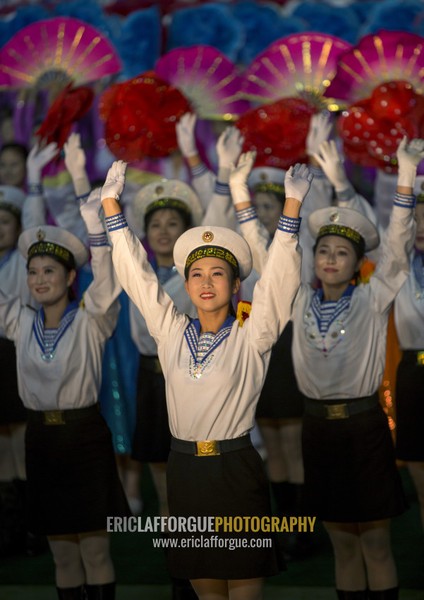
(91,210)
(228,147)
(238,178)
(319,130)
(75,163)
(409,155)
(297,182)
(185,135)
(115,181)
(331,163)
(38,159)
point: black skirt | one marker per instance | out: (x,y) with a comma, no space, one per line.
(350,468)
(231,484)
(73,482)
(410,408)
(152,437)
(280,397)
(11,408)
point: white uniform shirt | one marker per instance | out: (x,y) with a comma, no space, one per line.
(409,315)
(13,280)
(221,403)
(140,335)
(72,378)
(349,361)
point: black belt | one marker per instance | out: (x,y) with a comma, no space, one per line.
(210,447)
(339,409)
(416,356)
(61,417)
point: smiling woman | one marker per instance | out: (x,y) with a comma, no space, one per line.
(214,370)
(352,482)
(72,480)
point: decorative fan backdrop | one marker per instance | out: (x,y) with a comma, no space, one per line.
(207,78)
(61,48)
(377,58)
(302,64)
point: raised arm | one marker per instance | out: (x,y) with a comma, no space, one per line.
(251,229)
(104,289)
(220,210)
(331,162)
(130,260)
(203,180)
(393,265)
(75,162)
(278,285)
(34,210)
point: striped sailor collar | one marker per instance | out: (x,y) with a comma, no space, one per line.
(192,335)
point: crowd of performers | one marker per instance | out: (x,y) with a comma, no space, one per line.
(138,322)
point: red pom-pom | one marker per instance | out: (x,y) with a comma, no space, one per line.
(69,106)
(393,99)
(140,116)
(277,132)
(372,129)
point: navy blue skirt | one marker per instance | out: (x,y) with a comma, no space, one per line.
(350,468)
(410,409)
(73,482)
(231,484)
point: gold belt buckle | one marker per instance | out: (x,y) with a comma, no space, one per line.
(54,417)
(207,448)
(336,411)
(420,357)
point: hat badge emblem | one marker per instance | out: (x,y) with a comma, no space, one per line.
(41,235)
(207,236)
(334,217)
(159,190)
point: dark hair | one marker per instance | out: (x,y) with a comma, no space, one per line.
(185,216)
(19,148)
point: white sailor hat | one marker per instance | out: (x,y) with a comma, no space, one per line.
(167,193)
(11,199)
(53,241)
(267,179)
(207,241)
(344,222)
(419,188)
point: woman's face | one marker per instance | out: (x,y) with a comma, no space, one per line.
(268,209)
(9,231)
(335,261)
(165,227)
(49,281)
(419,236)
(211,285)
(12,168)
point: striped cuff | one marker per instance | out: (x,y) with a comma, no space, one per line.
(289,224)
(222,189)
(35,188)
(246,214)
(116,222)
(98,239)
(198,170)
(83,197)
(404,200)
